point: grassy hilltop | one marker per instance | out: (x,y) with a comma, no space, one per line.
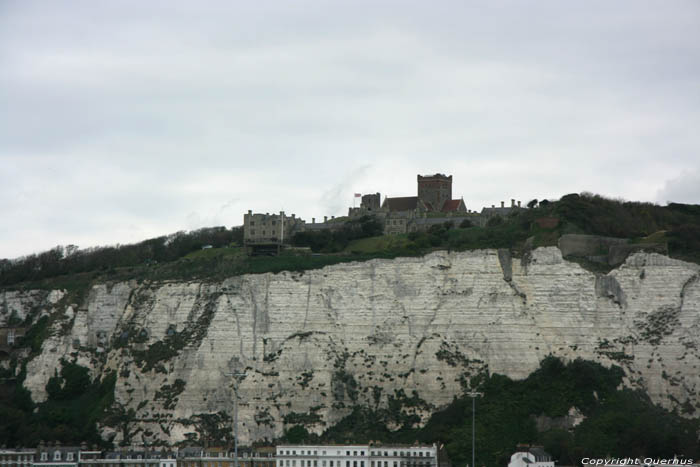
(179,256)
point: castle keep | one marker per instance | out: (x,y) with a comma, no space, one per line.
(432,205)
(435,190)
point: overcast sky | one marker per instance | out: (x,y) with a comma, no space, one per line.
(121,121)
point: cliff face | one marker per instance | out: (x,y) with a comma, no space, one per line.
(310,345)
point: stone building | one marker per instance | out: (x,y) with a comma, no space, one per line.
(435,190)
(269,228)
(371,202)
(56,456)
(434,195)
(502,211)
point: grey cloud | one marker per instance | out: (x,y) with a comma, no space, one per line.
(682,189)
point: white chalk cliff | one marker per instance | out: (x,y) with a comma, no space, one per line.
(312,344)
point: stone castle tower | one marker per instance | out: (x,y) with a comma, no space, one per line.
(371,202)
(434,190)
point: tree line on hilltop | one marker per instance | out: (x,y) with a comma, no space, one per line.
(71,260)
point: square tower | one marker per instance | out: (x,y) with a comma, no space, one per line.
(435,190)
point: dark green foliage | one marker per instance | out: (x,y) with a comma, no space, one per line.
(335,240)
(36,335)
(296,435)
(69,415)
(168,393)
(465,224)
(361,426)
(494,221)
(69,260)
(73,381)
(618,422)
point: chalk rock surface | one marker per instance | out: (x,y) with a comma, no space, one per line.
(303,348)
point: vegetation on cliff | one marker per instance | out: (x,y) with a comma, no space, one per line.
(75,404)
(615,422)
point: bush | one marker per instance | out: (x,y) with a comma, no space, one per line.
(465,224)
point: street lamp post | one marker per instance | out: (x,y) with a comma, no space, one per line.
(474,395)
(235,413)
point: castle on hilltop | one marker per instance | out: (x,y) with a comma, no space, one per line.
(432,205)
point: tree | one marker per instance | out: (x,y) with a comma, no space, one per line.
(532,204)
(465,224)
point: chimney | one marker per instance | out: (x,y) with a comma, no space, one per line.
(493,205)
(250,211)
(332,217)
(512,203)
(503,204)
(313,220)
(282,214)
(325,219)
(293,215)
(518,203)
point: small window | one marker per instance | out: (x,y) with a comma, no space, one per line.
(43,456)
(69,456)
(57,455)
(252,222)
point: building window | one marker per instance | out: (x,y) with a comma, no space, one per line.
(69,456)
(57,455)
(11,337)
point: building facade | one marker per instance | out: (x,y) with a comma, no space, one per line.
(17,457)
(435,190)
(357,455)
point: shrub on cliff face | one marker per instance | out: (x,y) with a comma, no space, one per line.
(70,415)
(617,422)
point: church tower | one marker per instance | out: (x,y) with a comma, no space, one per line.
(435,190)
